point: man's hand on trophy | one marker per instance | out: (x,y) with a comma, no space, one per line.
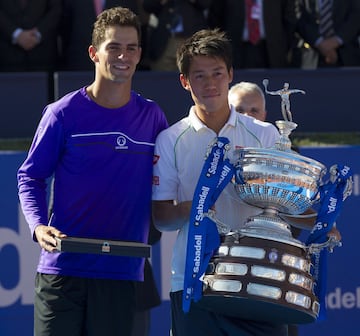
(334,239)
(334,233)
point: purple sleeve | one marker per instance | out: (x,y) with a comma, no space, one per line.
(38,167)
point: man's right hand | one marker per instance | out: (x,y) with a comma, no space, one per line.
(45,235)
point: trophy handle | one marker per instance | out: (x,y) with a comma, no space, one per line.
(330,244)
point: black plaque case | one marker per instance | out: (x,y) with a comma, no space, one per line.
(102,246)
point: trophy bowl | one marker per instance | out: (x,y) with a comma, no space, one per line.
(278,180)
(281,180)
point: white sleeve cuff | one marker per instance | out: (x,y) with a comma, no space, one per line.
(16,34)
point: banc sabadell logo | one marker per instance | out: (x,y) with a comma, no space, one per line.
(18,259)
(339,299)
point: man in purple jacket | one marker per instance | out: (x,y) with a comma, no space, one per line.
(98,145)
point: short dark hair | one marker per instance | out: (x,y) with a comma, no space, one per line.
(206,42)
(115,16)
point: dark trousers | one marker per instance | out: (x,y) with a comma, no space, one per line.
(141,326)
(199,321)
(67,306)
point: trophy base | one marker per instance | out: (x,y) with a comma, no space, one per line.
(260,279)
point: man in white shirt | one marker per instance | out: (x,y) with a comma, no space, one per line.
(205,65)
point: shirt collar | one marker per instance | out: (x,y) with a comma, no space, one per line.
(198,124)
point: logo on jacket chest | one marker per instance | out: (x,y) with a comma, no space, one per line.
(121,142)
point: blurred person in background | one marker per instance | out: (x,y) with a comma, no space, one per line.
(77,24)
(28,35)
(261,31)
(249,99)
(327,33)
(172,21)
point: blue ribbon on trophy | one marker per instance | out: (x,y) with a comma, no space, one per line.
(332,195)
(203,236)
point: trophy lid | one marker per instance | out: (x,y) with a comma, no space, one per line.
(285,126)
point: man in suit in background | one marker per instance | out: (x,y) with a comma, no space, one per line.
(336,44)
(28,35)
(172,22)
(275,21)
(76,27)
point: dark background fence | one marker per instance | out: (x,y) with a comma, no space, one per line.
(331,102)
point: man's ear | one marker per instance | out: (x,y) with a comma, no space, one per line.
(231,74)
(92,53)
(184,82)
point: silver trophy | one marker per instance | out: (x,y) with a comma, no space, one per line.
(261,271)
(277,179)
